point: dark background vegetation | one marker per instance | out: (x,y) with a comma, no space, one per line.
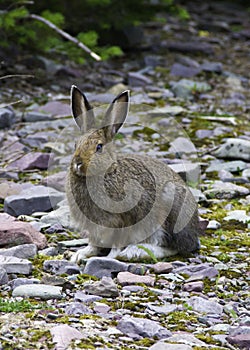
(102,25)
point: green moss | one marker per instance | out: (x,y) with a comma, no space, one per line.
(82,278)
(39,335)
(224,257)
(207,339)
(90,317)
(145,342)
(37,263)
(179,320)
(63,319)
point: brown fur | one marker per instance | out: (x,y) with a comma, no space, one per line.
(159,193)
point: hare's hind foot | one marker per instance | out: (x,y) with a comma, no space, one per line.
(133,252)
(84,253)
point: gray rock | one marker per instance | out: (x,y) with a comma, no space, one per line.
(166,309)
(30,161)
(182,145)
(206,306)
(60,215)
(189,172)
(34,116)
(35,198)
(162,111)
(23,251)
(215,67)
(198,195)
(238,215)
(21,281)
(7,118)
(136,327)
(225,190)
(141,98)
(3,276)
(213,225)
(63,334)
(72,243)
(42,291)
(166,346)
(15,265)
(105,288)
(193,47)
(77,308)
(127,278)
(101,98)
(50,251)
(246,173)
(197,271)
(187,61)
(85,298)
(102,266)
(225,175)
(138,79)
(186,88)
(133,288)
(180,70)
(186,338)
(59,267)
(234,148)
(234,166)
(203,133)
(101,308)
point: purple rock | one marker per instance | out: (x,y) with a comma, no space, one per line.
(136,327)
(33,160)
(240,337)
(183,71)
(138,79)
(77,308)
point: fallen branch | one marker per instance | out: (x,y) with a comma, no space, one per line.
(17,76)
(66,35)
(10,104)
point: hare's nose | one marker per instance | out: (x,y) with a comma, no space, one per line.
(78,164)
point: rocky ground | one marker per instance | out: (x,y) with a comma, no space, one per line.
(190,94)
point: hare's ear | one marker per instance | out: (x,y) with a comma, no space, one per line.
(81,110)
(116,114)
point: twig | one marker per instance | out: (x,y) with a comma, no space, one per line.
(17,76)
(66,35)
(10,104)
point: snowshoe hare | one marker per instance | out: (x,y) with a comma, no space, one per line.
(125,201)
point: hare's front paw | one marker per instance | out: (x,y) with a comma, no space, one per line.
(84,253)
(132,252)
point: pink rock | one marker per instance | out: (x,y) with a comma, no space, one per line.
(128,278)
(162,267)
(9,188)
(63,334)
(14,232)
(33,160)
(196,286)
(57,108)
(56,181)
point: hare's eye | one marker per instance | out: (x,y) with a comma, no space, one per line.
(99,148)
